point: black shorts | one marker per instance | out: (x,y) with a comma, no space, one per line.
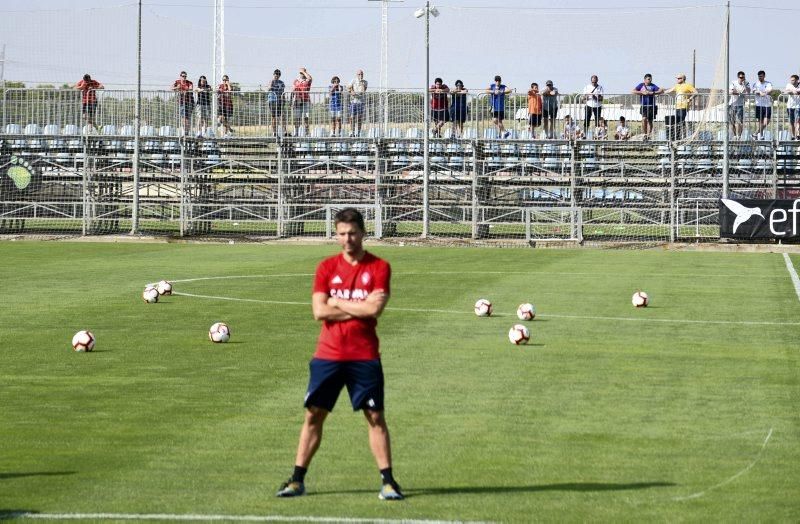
(534,120)
(363,379)
(763,112)
(225,111)
(550,112)
(499,115)
(90,109)
(736,114)
(275,108)
(649,112)
(440,115)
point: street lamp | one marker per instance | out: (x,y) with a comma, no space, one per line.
(426,11)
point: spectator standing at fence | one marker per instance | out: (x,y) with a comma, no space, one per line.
(762,89)
(793,106)
(593,97)
(88,88)
(601,131)
(439,106)
(335,104)
(203,90)
(534,109)
(649,108)
(623,132)
(301,98)
(571,129)
(184,88)
(737,90)
(357,90)
(549,109)
(275,91)
(458,108)
(225,105)
(684,94)
(497,100)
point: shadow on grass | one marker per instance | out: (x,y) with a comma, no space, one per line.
(13,514)
(566,486)
(16,475)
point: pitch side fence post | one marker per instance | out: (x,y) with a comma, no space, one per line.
(477,169)
(673,224)
(378,197)
(281,200)
(182,212)
(774,145)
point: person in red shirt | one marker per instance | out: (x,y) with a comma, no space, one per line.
(301,100)
(439,112)
(225,105)
(350,292)
(185,89)
(88,87)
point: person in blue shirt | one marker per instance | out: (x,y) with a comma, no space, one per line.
(648,91)
(335,105)
(497,100)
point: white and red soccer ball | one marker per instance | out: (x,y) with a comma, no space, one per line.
(83,341)
(483,307)
(519,334)
(640,299)
(150,294)
(526,311)
(164,287)
(219,332)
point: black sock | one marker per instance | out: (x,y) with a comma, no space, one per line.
(299,474)
(386,476)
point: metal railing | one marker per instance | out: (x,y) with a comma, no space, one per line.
(254,116)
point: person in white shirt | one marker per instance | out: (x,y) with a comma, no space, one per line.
(623,133)
(571,130)
(793,105)
(593,96)
(737,90)
(357,88)
(601,131)
(762,90)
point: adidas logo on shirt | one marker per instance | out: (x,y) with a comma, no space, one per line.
(336,280)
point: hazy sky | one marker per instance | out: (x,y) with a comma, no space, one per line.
(56,41)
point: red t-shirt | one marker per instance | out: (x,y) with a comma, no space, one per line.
(353,339)
(185,96)
(88,93)
(224,97)
(438,100)
(301,89)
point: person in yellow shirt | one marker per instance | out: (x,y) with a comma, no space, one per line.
(685,93)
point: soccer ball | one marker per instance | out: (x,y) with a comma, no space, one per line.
(526,311)
(219,332)
(83,341)
(164,287)
(150,295)
(519,334)
(483,308)
(640,299)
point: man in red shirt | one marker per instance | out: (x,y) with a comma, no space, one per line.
(439,106)
(185,89)
(350,291)
(301,100)
(89,97)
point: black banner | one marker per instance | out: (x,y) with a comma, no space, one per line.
(759,219)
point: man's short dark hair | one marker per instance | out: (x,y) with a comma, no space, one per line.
(795,77)
(437,81)
(277,72)
(648,75)
(350,215)
(740,73)
(622,119)
(497,78)
(762,73)
(86,77)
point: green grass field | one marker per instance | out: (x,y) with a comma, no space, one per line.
(684,411)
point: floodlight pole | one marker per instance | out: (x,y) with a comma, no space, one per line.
(726,117)
(218,67)
(426,170)
(137,119)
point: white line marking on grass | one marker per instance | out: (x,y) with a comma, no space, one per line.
(793,274)
(543,315)
(191,517)
(731,479)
